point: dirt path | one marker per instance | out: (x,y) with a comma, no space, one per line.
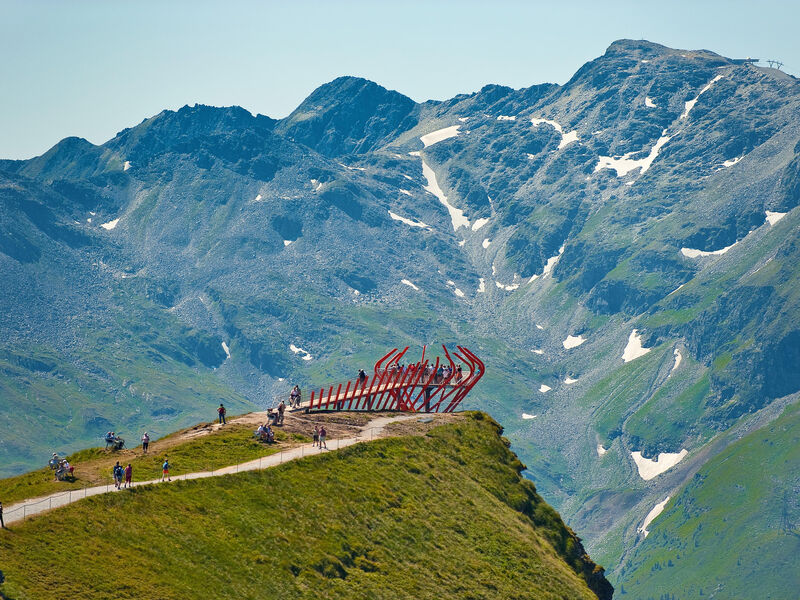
(367,432)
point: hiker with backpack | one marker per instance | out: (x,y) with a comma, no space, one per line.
(221,413)
(165,470)
(117,473)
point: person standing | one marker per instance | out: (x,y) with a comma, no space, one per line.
(2,523)
(145,442)
(221,413)
(117,475)
(128,475)
(281,410)
(315,437)
(322,434)
(165,470)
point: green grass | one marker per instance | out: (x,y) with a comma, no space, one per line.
(618,393)
(229,445)
(439,516)
(734,530)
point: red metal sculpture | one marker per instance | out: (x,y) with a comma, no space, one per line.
(419,387)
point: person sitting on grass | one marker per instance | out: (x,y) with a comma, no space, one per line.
(270,435)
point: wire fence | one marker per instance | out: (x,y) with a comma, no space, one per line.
(30,508)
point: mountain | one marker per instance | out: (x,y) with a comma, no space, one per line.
(437,513)
(621,250)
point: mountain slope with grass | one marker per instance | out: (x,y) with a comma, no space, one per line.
(621,251)
(440,513)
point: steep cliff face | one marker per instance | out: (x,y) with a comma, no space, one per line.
(621,249)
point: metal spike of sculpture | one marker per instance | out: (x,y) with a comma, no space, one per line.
(419,387)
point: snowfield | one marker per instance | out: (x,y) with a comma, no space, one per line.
(566,138)
(657,509)
(486,243)
(648,102)
(456,215)
(126,166)
(625,164)
(298,350)
(634,348)
(110,225)
(479,223)
(409,222)
(689,105)
(573,341)
(678,359)
(774,217)
(429,139)
(693,253)
(648,469)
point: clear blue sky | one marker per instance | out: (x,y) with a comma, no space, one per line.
(73,67)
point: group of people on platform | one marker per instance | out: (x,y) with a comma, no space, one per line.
(440,375)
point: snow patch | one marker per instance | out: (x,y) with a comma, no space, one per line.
(693,253)
(258,198)
(298,350)
(226,349)
(316,183)
(648,469)
(110,225)
(678,359)
(537,351)
(527,416)
(409,176)
(439,135)
(539,326)
(566,138)
(479,223)
(506,118)
(600,450)
(409,222)
(657,509)
(648,102)
(774,217)
(126,166)
(406,192)
(286,242)
(634,348)
(573,341)
(544,388)
(456,215)
(409,284)
(486,243)
(349,168)
(569,380)
(551,262)
(625,164)
(530,156)
(689,104)
(462,242)
(456,291)
(463,119)
(732,161)
(415,153)
(508,288)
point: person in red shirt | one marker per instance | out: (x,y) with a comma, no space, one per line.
(128,475)
(221,413)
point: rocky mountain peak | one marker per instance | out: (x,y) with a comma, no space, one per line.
(349,115)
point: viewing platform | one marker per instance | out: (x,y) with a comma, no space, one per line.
(423,386)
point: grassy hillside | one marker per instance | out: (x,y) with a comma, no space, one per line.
(439,515)
(734,530)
